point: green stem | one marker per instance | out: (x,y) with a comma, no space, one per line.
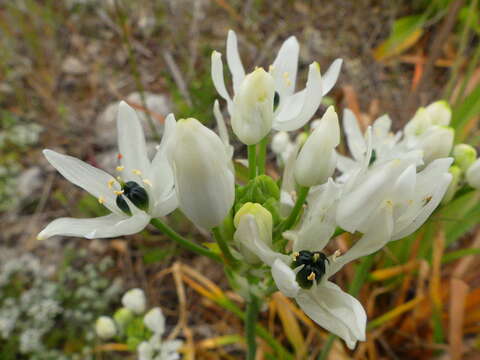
(327,347)
(252,161)
(262,154)
(251,315)
(302,196)
(223,246)
(187,244)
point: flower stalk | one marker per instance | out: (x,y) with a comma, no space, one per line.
(252,161)
(187,244)
(251,315)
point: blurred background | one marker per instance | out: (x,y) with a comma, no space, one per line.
(65,65)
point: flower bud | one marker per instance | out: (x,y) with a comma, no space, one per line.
(417,125)
(464,155)
(281,142)
(453,186)
(436,143)
(439,112)
(204,175)
(473,175)
(264,221)
(317,158)
(135,301)
(155,321)
(105,327)
(252,115)
(122,317)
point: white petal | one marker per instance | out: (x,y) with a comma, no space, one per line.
(331,76)
(284,278)
(101,227)
(217,76)
(131,143)
(288,183)
(89,178)
(336,311)
(355,139)
(155,320)
(377,236)
(473,174)
(222,128)
(285,67)
(233,60)
(432,183)
(310,101)
(404,186)
(165,205)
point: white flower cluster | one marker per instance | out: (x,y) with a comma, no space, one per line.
(386,191)
(151,348)
(32,303)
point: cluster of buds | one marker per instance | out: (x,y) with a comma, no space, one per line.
(142,331)
(273,234)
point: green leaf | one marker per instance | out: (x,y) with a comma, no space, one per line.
(464,112)
(405,33)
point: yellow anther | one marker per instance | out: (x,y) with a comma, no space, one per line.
(137,172)
(118,192)
(147,182)
(120,168)
(389,203)
(101,199)
(110,183)
(316,256)
(335,255)
(295,255)
(311,277)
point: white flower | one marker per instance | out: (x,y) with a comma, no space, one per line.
(464,155)
(155,321)
(436,142)
(317,158)
(105,327)
(252,111)
(473,175)
(145,351)
(395,193)
(204,175)
(145,188)
(304,276)
(156,349)
(135,301)
(294,108)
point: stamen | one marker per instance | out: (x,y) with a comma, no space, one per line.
(316,256)
(120,168)
(137,172)
(110,183)
(119,156)
(101,199)
(311,277)
(147,182)
(118,192)
(295,255)
(335,255)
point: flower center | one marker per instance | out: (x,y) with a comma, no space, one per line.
(135,193)
(313,267)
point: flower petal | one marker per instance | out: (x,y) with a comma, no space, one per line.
(331,76)
(284,278)
(285,66)
(355,140)
(217,76)
(89,178)
(131,143)
(101,227)
(307,101)
(336,311)
(233,60)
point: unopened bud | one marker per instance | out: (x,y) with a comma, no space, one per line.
(464,155)
(105,327)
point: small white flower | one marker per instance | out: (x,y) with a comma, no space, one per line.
(105,327)
(155,321)
(145,351)
(204,175)
(294,108)
(143,189)
(135,301)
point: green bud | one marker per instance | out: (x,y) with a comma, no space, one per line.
(454,184)
(122,317)
(465,155)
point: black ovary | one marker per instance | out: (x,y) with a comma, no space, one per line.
(136,194)
(310,265)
